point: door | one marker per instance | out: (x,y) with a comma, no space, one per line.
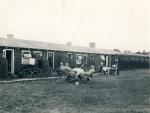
(70,59)
(9,55)
(50,58)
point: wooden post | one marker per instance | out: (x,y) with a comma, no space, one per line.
(110,60)
(107,61)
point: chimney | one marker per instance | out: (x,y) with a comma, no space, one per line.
(69,43)
(10,36)
(92,44)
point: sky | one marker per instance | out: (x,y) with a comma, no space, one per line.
(120,24)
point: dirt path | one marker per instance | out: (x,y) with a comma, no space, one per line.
(28,79)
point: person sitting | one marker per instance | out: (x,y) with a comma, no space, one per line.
(87,74)
(91,71)
(71,76)
(67,67)
(61,70)
(78,71)
(62,67)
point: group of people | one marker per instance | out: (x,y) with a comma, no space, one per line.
(113,70)
(77,74)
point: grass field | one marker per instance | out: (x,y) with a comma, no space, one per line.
(128,93)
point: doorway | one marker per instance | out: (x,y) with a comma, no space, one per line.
(50,58)
(9,55)
(70,59)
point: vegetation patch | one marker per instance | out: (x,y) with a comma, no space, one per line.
(127,93)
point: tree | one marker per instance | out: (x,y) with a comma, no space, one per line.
(138,52)
(117,50)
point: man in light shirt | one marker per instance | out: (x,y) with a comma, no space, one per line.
(62,67)
(67,67)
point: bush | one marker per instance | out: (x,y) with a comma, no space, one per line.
(3,67)
(40,69)
(28,72)
(45,67)
(38,60)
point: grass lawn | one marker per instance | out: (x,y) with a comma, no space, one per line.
(127,93)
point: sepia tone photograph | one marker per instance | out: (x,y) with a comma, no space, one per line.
(74,56)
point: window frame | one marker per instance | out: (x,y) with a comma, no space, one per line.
(37,52)
(23,57)
(103,57)
(71,56)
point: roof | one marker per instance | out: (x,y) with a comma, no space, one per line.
(131,54)
(19,43)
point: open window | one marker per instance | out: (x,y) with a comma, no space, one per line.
(39,53)
(79,58)
(26,54)
(27,58)
(102,57)
(70,56)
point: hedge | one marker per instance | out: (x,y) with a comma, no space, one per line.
(3,67)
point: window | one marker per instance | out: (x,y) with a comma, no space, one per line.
(142,59)
(26,54)
(39,53)
(103,57)
(93,58)
(79,58)
(70,55)
(116,58)
(85,58)
(134,58)
(137,59)
(85,55)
